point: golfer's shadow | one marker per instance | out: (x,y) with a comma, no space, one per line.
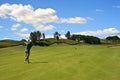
(39,62)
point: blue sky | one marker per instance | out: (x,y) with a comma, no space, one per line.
(99,18)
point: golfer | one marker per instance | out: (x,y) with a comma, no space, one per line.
(27,51)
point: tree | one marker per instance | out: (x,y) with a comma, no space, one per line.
(113,38)
(56,35)
(23,40)
(68,35)
(92,40)
(33,37)
(38,34)
(75,37)
(86,39)
(43,36)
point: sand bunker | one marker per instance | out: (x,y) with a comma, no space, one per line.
(115,47)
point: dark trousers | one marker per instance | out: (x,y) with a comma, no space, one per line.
(27,56)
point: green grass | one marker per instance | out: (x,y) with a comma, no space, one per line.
(9,43)
(78,62)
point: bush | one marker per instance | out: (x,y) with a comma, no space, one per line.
(44,43)
(86,39)
(66,41)
(51,41)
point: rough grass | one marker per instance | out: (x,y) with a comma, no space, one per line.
(83,62)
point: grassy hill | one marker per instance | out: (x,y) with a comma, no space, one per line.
(47,42)
(76,62)
(9,43)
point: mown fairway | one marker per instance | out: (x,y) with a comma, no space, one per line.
(84,62)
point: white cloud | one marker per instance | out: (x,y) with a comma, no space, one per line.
(15,26)
(26,14)
(51,36)
(24,36)
(36,17)
(4,9)
(1,27)
(109,31)
(76,20)
(23,30)
(5,38)
(63,37)
(99,10)
(90,18)
(62,30)
(116,6)
(43,27)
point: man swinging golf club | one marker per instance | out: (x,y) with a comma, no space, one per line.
(27,51)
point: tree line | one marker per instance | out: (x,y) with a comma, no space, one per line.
(37,35)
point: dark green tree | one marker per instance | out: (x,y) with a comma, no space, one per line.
(38,34)
(33,37)
(76,37)
(68,35)
(43,36)
(56,35)
(113,38)
(86,39)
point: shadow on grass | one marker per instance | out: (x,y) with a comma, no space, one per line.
(39,62)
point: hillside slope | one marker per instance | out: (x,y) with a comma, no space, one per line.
(9,43)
